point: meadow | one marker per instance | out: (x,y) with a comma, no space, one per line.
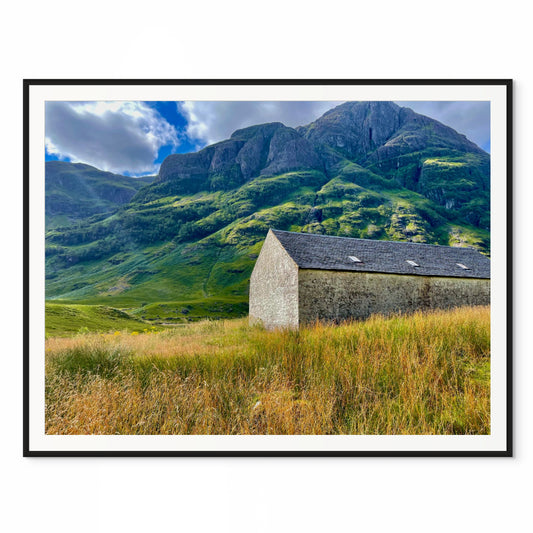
(426,373)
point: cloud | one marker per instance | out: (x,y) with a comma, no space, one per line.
(209,122)
(115,136)
(469,118)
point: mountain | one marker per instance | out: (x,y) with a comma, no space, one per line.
(74,191)
(266,150)
(184,246)
(416,151)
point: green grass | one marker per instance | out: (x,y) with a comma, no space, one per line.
(66,319)
(192,310)
(71,319)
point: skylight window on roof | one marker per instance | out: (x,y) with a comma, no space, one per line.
(355,259)
(462,266)
(412,263)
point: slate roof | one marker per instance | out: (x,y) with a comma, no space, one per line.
(323,252)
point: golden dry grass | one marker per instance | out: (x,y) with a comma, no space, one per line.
(427,373)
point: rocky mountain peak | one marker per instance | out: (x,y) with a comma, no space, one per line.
(265,149)
(355,128)
(259,130)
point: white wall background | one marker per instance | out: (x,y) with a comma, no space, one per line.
(335,39)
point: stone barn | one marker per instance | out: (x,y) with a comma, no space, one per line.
(301,277)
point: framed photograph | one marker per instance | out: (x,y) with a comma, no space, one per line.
(268,267)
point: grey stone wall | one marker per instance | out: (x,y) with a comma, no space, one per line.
(336,295)
(274,287)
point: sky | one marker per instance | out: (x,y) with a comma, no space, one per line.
(133,137)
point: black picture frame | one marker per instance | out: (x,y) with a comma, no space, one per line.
(29,222)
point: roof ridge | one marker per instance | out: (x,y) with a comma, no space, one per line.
(374,240)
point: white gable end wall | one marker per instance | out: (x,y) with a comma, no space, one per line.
(274,287)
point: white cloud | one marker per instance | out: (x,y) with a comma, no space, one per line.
(116,136)
(209,122)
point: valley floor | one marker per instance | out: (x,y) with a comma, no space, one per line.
(428,373)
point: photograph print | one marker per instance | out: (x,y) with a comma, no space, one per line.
(267,267)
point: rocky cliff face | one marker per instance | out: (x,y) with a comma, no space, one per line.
(355,129)
(266,149)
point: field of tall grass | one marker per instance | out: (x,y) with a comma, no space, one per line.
(427,373)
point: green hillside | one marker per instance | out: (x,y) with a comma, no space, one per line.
(75,191)
(73,319)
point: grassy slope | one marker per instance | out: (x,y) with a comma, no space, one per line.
(75,191)
(70,319)
(419,374)
(209,241)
